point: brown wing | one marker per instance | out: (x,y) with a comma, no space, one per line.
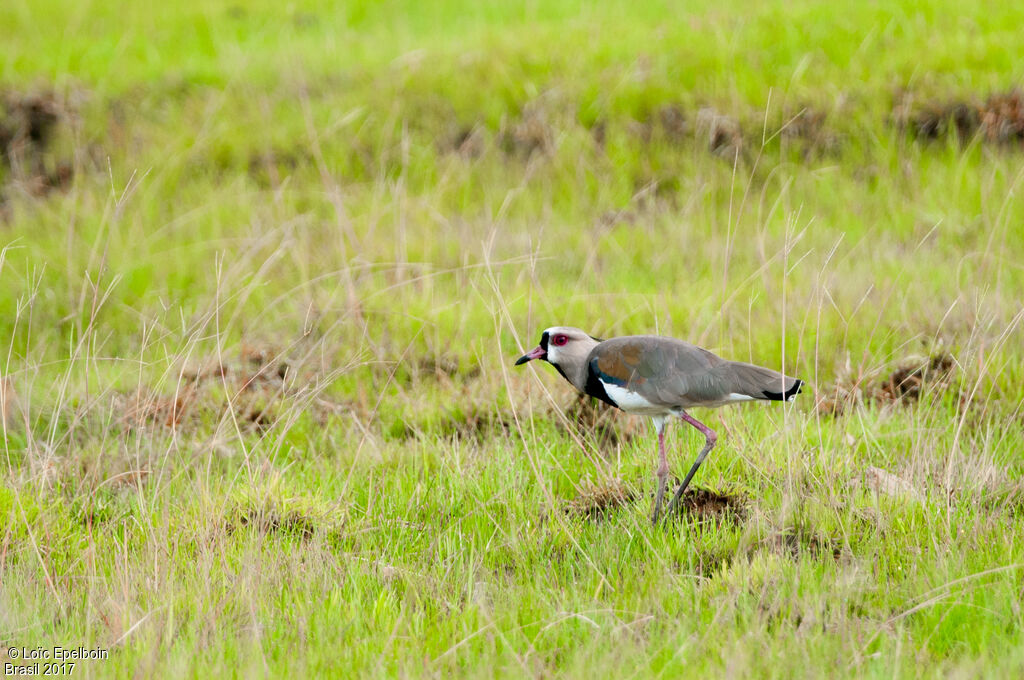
(665,371)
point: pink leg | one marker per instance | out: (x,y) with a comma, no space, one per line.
(662,470)
(710,439)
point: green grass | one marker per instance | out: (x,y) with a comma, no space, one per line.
(260,413)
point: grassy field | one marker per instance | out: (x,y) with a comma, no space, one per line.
(265,268)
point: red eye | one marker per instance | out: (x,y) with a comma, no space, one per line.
(560,340)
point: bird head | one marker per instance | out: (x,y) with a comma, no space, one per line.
(564,347)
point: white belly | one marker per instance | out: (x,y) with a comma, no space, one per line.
(631,402)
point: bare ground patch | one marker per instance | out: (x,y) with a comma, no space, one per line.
(998,119)
(596,500)
(29,123)
(965,478)
(796,541)
(721,132)
(706,504)
(468,142)
(588,421)
(809,130)
(724,134)
(906,383)
(476,424)
(270,520)
(532,132)
(256,385)
(442,367)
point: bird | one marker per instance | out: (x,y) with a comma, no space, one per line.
(659,377)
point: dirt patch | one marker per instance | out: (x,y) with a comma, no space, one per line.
(909,379)
(912,378)
(475,424)
(442,367)
(999,119)
(795,542)
(596,500)
(589,420)
(29,122)
(667,123)
(805,130)
(673,122)
(272,521)
(530,133)
(705,504)
(931,120)
(467,141)
(143,407)
(808,130)
(1002,118)
(257,379)
(723,133)
(261,366)
(260,416)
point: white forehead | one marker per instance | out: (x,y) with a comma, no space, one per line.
(564,330)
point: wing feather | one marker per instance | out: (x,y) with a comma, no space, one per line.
(665,371)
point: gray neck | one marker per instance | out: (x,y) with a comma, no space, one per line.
(576,374)
(573,363)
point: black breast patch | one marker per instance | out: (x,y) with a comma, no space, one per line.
(594,386)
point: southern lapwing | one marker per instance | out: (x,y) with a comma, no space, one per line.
(658,377)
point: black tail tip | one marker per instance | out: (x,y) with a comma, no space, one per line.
(788,395)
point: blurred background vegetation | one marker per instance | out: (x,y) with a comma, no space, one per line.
(265,267)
